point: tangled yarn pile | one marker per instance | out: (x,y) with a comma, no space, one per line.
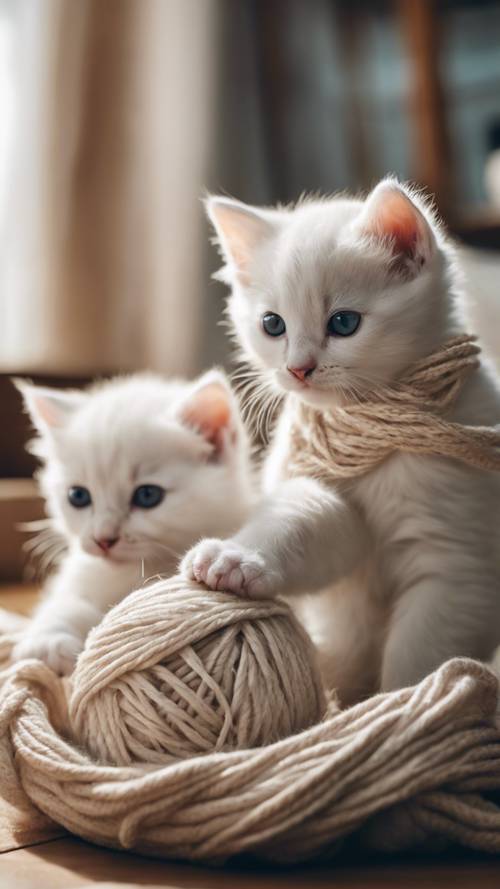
(397,769)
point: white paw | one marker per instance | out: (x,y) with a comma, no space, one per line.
(228,566)
(57,649)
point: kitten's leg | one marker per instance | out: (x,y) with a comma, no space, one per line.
(347,625)
(75,600)
(302,537)
(438,619)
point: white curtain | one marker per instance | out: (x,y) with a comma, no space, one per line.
(105,135)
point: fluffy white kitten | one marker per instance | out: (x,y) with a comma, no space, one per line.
(135,469)
(330,299)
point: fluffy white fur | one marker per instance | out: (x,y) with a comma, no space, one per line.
(185,437)
(407,557)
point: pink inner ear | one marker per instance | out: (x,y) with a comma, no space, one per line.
(235,227)
(241,230)
(393,216)
(48,412)
(209,411)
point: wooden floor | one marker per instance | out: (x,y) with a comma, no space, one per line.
(36,854)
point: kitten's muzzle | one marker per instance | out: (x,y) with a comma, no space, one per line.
(106,543)
(302,373)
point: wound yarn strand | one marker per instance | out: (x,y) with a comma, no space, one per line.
(350,440)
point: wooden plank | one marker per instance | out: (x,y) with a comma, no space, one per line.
(20,502)
(72,864)
(20,598)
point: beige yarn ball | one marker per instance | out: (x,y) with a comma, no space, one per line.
(176,670)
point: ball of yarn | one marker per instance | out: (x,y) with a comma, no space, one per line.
(177,670)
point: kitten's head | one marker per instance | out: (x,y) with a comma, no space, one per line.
(335,296)
(139,467)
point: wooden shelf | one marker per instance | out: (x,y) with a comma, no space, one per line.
(19,502)
(478,228)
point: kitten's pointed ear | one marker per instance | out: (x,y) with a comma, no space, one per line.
(49,409)
(210,409)
(390,215)
(240,229)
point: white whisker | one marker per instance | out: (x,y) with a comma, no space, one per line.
(259,400)
(44,549)
(172,552)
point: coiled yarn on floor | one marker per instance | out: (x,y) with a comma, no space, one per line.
(398,769)
(176,670)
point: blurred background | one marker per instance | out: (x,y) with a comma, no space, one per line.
(116,115)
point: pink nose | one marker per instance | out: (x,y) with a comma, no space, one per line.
(302,372)
(105,543)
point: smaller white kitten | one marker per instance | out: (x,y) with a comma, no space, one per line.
(134,471)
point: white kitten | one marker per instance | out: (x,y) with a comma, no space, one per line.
(328,300)
(134,470)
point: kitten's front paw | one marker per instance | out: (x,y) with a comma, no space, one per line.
(57,649)
(228,566)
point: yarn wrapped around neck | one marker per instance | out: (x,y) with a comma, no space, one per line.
(350,440)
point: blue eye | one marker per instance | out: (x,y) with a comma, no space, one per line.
(343,323)
(147,496)
(273,324)
(79,497)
